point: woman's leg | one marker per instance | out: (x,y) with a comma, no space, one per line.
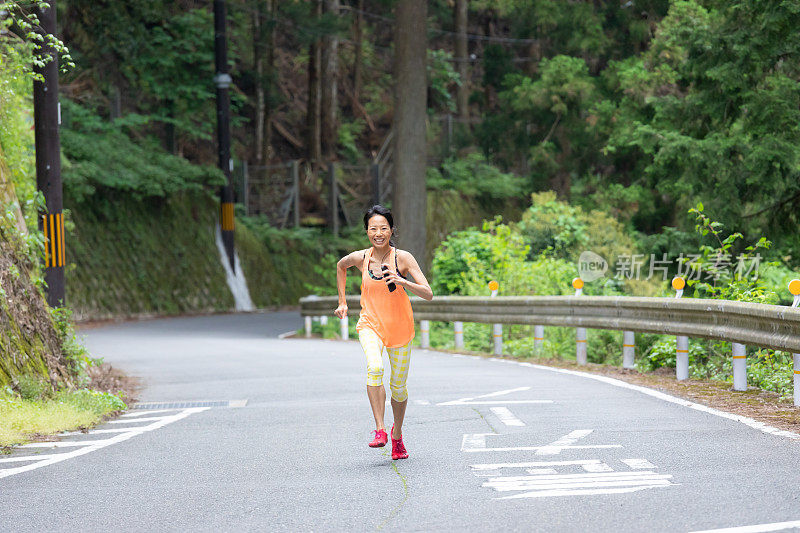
(399,358)
(373,349)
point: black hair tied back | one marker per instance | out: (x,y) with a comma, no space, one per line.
(378,209)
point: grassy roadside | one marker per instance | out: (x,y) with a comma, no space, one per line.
(23,420)
(764,406)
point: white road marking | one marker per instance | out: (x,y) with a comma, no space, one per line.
(237,403)
(579,492)
(755,424)
(474,440)
(464,401)
(64,444)
(286,334)
(638,463)
(598,467)
(496,402)
(535,464)
(539,471)
(91,446)
(422,402)
(137,420)
(144,413)
(567,440)
(544,450)
(777,526)
(506,416)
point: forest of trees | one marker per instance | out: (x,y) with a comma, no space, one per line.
(642,107)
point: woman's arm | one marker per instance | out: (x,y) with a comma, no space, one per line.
(341,279)
(406,261)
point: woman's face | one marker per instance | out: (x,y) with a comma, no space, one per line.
(378,231)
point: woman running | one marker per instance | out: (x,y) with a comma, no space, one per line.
(386,320)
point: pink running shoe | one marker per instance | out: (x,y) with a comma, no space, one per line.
(398,450)
(380,439)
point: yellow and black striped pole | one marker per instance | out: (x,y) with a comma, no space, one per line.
(223,80)
(46,116)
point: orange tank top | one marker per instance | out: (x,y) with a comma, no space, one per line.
(386,313)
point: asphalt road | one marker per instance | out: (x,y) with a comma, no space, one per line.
(493,445)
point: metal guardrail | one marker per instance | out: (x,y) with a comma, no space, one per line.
(768,326)
(742,323)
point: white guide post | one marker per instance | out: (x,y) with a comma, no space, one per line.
(458,331)
(497,329)
(628,349)
(739,367)
(308,326)
(425,329)
(344,329)
(580,333)
(794,288)
(682,350)
(538,338)
(682,358)
(323,320)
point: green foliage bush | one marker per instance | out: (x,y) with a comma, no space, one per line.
(472,175)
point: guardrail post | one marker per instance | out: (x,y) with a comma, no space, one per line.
(794,288)
(308,326)
(458,330)
(628,349)
(344,327)
(425,329)
(538,338)
(580,333)
(682,342)
(739,367)
(497,329)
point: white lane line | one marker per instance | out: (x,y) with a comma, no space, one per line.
(580,492)
(286,334)
(490,395)
(64,444)
(506,416)
(144,413)
(545,450)
(94,432)
(638,463)
(57,458)
(137,420)
(421,402)
(237,403)
(24,458)
(535,464)
(776,526)
(495,402)
(755,424)
(540,471)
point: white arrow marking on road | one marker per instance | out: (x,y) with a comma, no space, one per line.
(506,416)
(554,448)
(464,401)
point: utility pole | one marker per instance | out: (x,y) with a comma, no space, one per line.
(47,116)
(223,80)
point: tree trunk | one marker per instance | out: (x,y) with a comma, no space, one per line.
(313,123)
(359,54)
(263,54)
(462,60)
(329,107)
(410,197)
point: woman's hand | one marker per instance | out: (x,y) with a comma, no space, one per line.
(341,311)
(390,276)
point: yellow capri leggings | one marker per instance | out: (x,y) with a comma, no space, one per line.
(399,359)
